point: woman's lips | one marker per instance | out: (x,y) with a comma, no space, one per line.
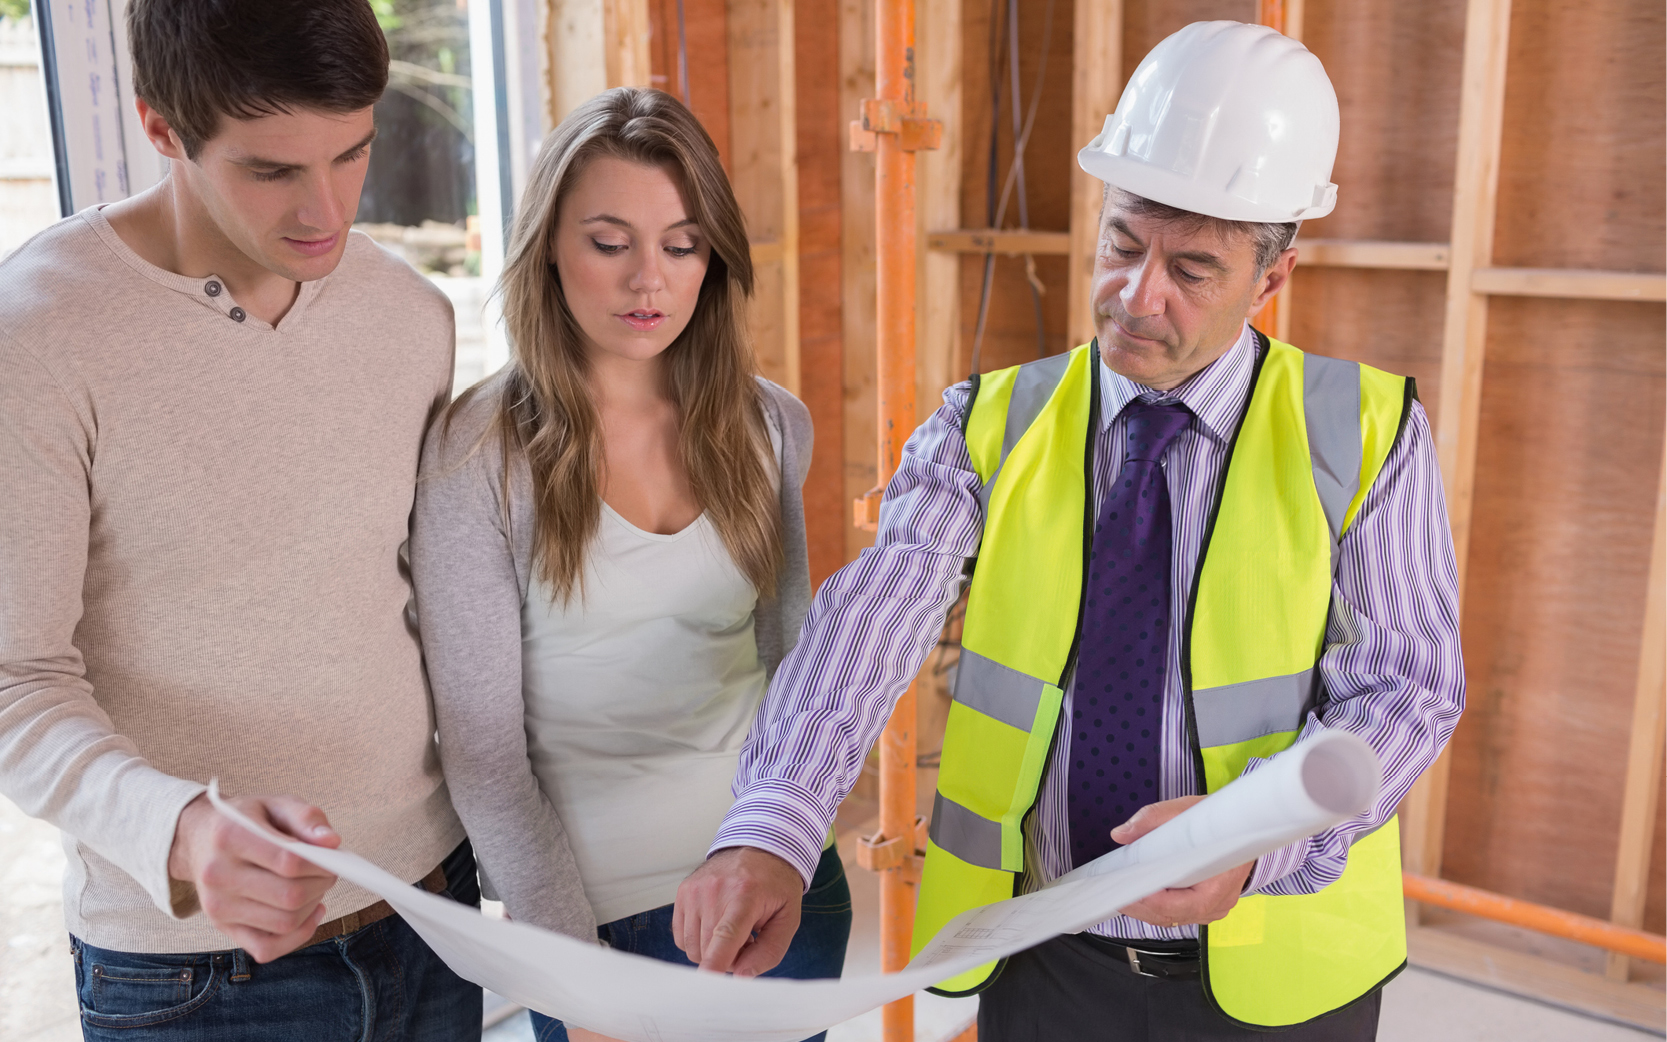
(642,321)
(313,247)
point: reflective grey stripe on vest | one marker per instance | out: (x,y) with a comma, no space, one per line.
(1033,385)
(997,691)
(973,839)
(1331,406)
(1235,713)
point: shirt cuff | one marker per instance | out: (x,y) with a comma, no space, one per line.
(1275,864)
(778,818)
(176,899)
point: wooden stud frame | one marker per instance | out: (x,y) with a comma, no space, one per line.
(1097,80)
(1471,280)
(764,170)
(625,42)
(1566,283)
(1642,800)
(938,202)
(1464,340)
(595,43)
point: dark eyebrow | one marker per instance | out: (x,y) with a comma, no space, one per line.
(363,143)
(1208,260)
(1117,223)
(274,165)
(608,218)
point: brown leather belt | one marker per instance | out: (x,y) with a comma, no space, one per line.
(434,883)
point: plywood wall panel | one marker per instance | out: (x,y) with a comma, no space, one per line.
(1395,66)
(1388,319)
(1010,333)
(821,359)
(1011,329)
(1568,453)
(1145,22)
(1583,171)
(707,25)
(1394,174)
(857,286)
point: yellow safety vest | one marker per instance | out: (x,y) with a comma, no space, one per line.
(1314,437)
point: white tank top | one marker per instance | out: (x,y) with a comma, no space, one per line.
(638,700)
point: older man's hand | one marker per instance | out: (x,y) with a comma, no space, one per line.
(263,897)
(738,912)
(1185,906)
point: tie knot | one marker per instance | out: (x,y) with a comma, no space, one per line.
(1152,427)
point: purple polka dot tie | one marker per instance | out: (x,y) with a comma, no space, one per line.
(1117,704)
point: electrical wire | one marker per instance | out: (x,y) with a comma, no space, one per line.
(1007,39)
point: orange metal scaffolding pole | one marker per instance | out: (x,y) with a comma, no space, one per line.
(894,127)
(1638,944)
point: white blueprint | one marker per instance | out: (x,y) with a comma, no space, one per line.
(1310,787)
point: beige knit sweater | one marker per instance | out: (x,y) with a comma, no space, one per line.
(202,526)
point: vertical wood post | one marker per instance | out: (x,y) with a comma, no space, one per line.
(764,169)
(625,48)
(576,68)
(857,269)
(1283,16)
(821,159)
(1644,755)
(1464,340)
(939,182)
(1096,80)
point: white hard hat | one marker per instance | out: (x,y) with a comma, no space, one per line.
(1226,119)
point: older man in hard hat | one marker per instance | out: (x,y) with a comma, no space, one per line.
(1189,545)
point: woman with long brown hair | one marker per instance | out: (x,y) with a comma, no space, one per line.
(608,546)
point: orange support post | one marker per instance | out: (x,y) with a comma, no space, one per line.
(895,127)
(1582,928)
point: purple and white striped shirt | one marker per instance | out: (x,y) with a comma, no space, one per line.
(1392,669)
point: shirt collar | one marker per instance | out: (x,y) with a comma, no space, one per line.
(1215,394)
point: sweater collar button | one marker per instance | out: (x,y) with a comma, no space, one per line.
(238,314)
(212,288)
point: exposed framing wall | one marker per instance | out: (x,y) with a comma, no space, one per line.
(1498,237)
(1466,172)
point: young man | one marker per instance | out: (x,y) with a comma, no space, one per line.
(1192,545)
(212,400)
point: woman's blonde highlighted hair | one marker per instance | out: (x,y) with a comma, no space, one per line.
(544,413)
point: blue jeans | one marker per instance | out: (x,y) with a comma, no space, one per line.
(376,984)
(818,949)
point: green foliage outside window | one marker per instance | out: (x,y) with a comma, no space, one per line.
(17,10)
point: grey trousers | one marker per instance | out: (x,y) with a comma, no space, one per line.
(1068,990)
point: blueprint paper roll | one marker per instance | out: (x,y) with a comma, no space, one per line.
(1316,784)
(1311,786)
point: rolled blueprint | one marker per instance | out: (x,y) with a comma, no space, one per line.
(1330,777)
(1310,787)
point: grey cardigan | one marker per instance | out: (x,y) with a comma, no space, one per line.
(471,578)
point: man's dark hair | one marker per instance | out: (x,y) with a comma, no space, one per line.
(1268,241)
(195,61)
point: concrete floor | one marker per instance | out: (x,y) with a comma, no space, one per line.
(37,1000)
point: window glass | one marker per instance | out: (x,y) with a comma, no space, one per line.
(27,200)
(419,198)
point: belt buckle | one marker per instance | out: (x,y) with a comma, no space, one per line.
(1134,961)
